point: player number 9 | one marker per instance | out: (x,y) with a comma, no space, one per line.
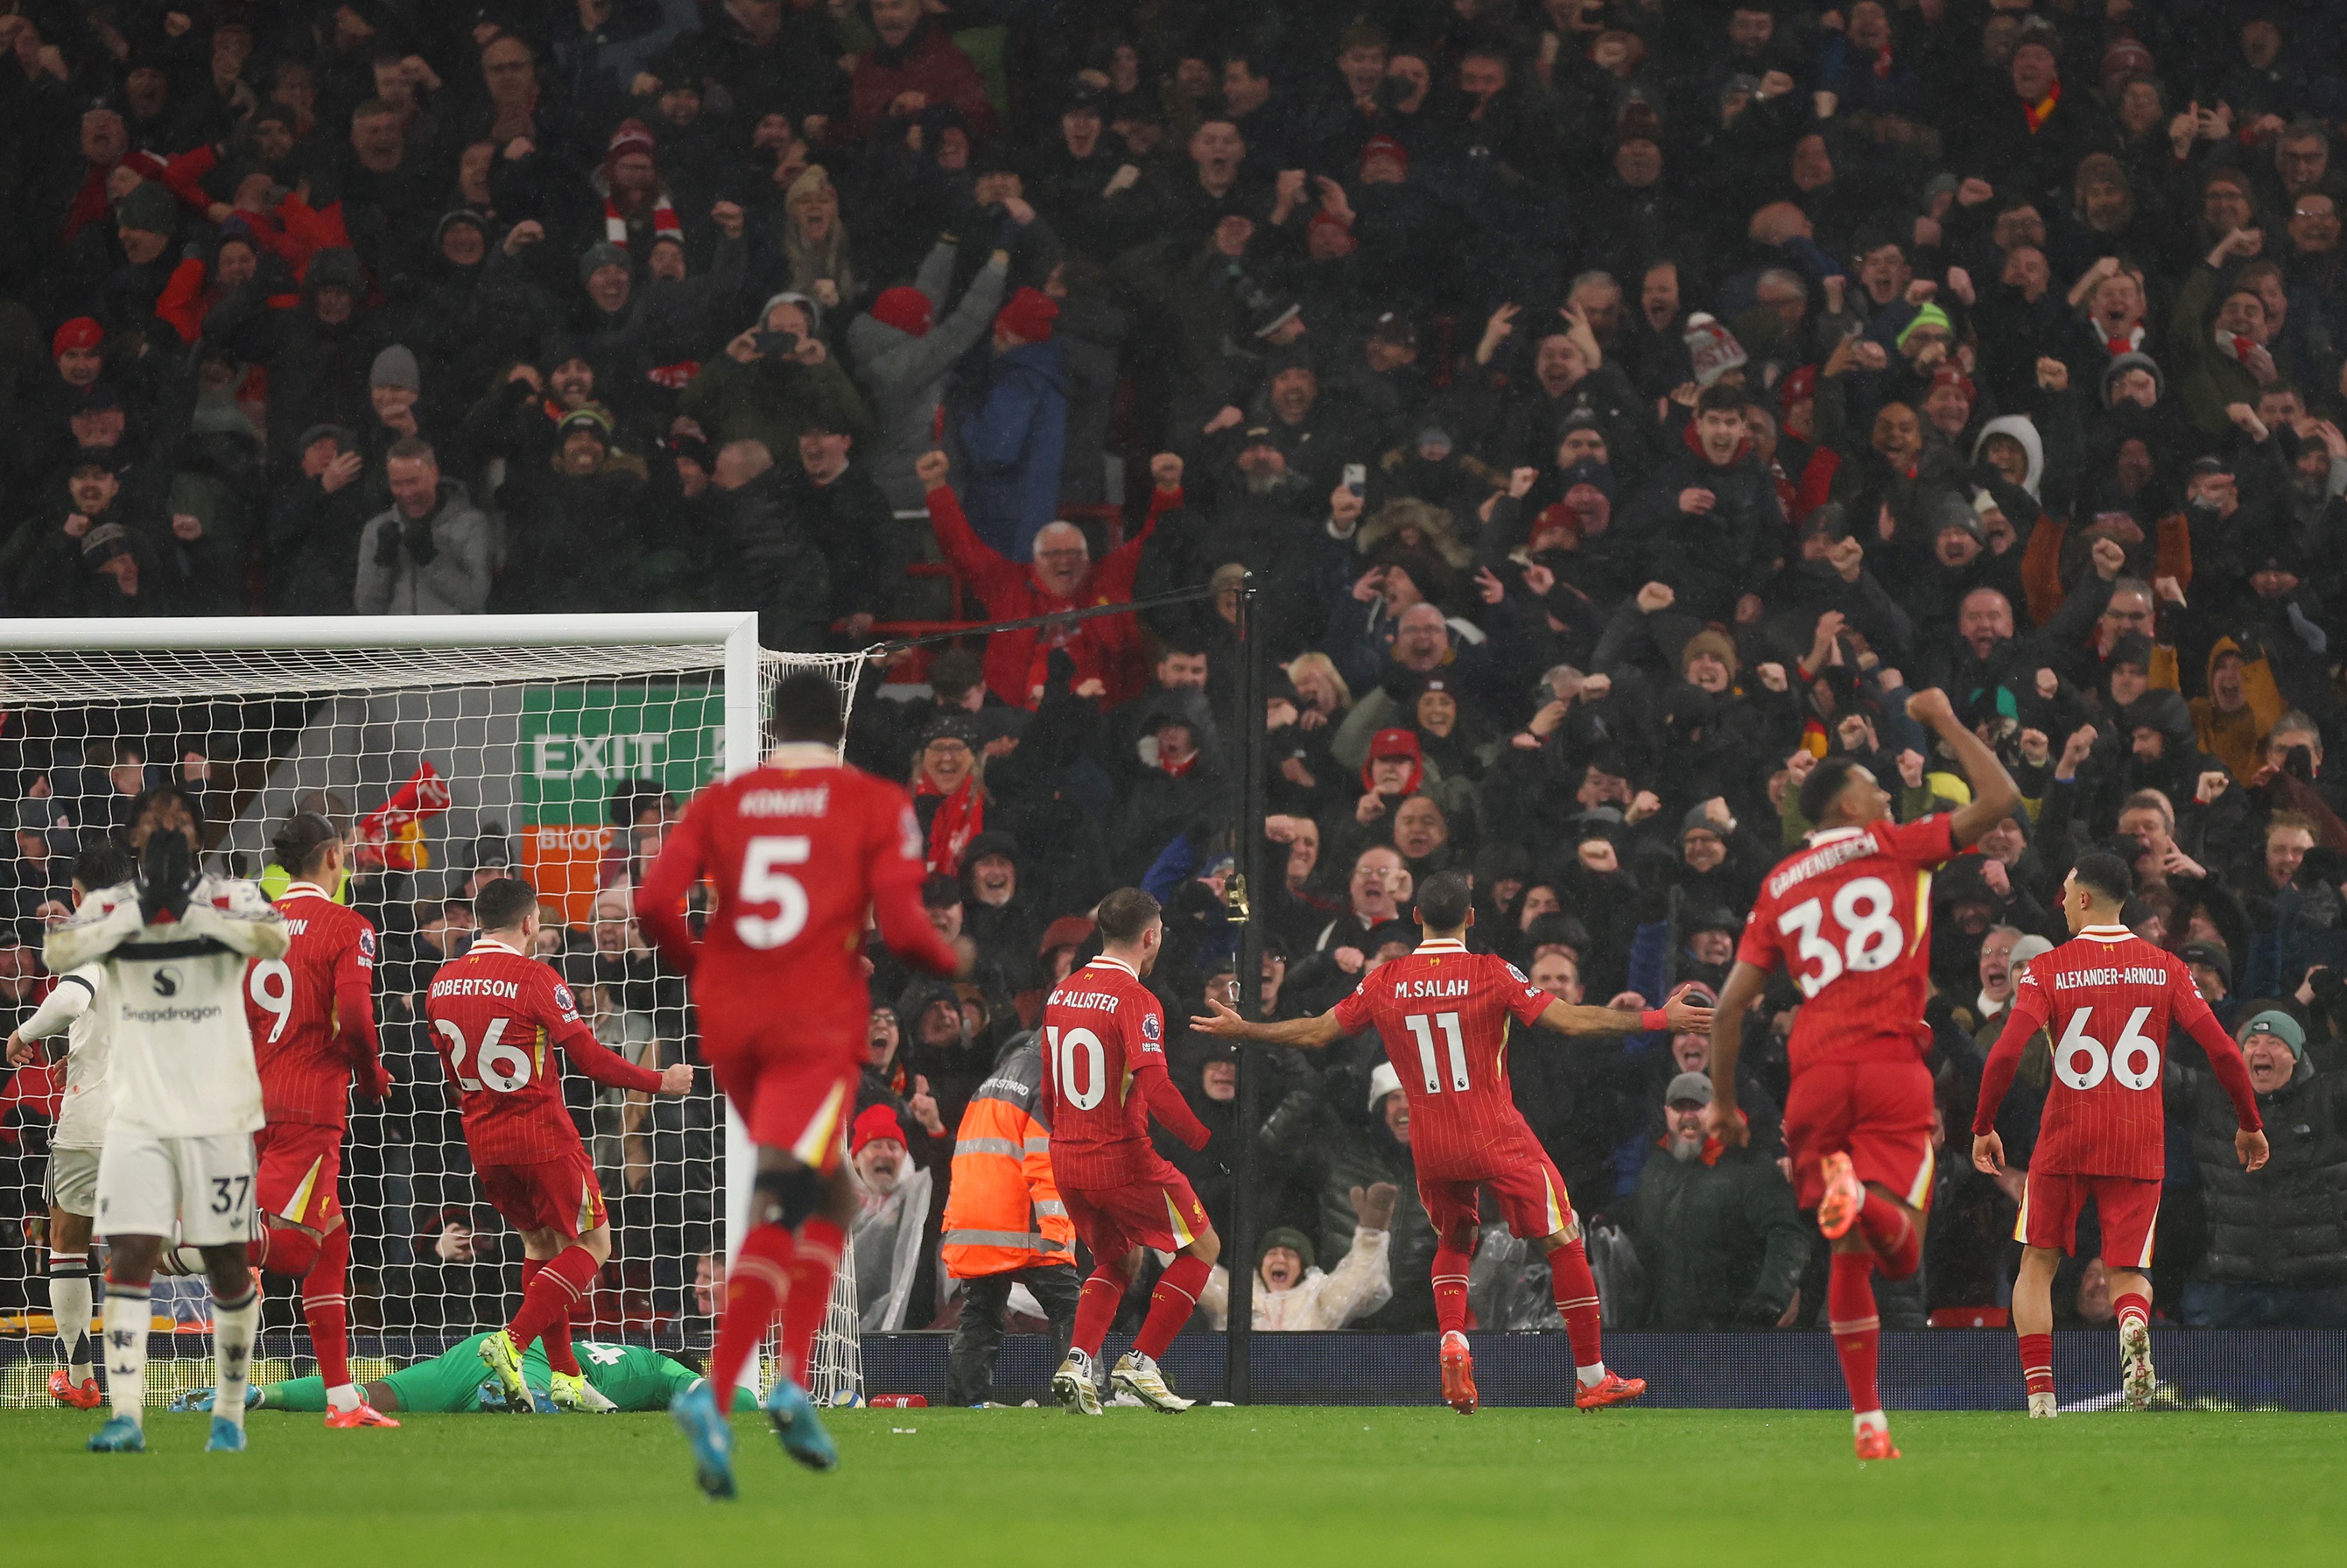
(763,883)
(270,985)
(1064,1066)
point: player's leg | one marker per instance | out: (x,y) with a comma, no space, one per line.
(2033,1322)
(139,1194)
(1076,1382)
(567,1268)
(1819,1108)
(2128,1211)
(1165,1213)
(1451,1212)
(1532,1197)
(1857,1329)
(216,1199)
(977,1339)
(75,1384)
(325,1308)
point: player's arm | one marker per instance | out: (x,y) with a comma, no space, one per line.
(1679,1017)
(558,1013)
(1995,794)
(1165,1103)
(1723,1120)
(101,925)
(240,921)
(895,870)
(2225,1062)
(660,902)
(2023,1020)
(1302,1033)
(354,1016)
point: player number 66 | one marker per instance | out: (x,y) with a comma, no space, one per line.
(2080,1061)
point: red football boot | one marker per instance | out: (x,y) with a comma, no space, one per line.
(366,1415)
(1874,1442)
(85,1397)
(1458,1373)
(1611,1389)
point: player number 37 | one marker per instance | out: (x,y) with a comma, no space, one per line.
(1869,935)
(2080,1061)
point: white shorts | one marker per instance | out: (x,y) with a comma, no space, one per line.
(71,1186)
(200,1187)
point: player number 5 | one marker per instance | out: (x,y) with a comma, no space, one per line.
(272,986)
(2080,1061)
(502,1068)
(763,883)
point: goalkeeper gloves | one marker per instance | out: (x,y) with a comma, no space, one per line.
(167,875)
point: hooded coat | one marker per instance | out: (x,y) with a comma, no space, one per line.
(437,565)
(2283,1224)
(1016,438)
(904,376)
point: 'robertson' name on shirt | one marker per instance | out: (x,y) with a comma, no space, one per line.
(467,985)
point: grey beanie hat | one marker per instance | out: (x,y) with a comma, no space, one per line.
(397,366)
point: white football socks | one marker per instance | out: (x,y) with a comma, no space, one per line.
(69,1301)
(126,1349)
(343,1397)
(234,1326)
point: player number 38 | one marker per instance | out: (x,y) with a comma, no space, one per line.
(2080,1061)
(1869,935)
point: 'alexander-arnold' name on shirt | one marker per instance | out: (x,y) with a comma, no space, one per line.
(2070,979)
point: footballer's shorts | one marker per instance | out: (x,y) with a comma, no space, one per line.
(202,1187)
(800,1103)
(1876,1113)
(1528,1192)
(2126,1207)
(558,1194)
(300,1172)
(1157,1211)
(71,1184)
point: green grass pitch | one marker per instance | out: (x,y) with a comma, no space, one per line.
(1214,1487)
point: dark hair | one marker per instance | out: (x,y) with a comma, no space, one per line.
(156,795)
(806,708)
(1824,786)
(1124,914)
(1444,900)
(300,839)
(503,903)
(101,865)
(1721,398)
(2105,875)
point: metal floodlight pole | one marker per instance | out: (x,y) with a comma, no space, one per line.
(1239,1256)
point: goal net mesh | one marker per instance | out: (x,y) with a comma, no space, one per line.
(445,767)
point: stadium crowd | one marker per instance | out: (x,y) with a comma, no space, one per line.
(1622,405)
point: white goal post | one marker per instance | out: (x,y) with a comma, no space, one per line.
(446,746)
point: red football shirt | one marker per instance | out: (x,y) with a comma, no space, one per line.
(799,848)
(499,1019)
(1442,1012)
(1848,915)
(312,1011)
(2107,998)
(1103,1071)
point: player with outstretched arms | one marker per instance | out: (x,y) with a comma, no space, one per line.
(314,1031)
(1442,1012)
(1104,1076)
(187,1097)
(2107,998)
(73,1009)
(801,848)
(504,1022)
(1848,915)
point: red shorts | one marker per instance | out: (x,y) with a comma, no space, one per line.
(1530,1198)
(801,1104)
(2126,1206)
(300,1171)
(558,1194)
(1158,1211)
(1878,1112)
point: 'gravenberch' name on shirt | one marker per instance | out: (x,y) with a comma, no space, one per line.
(1826,858)
(2071,979)
(461,986)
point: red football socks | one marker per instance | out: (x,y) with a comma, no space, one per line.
(813,1263)
(545,1305)
(756,1286)
(1171,1304)
(1096,1306)
(1577,1301)
(1890,1231)
(281,1249)
(1857,1330)
(2037,1362)
(1450,1266)
(2132,1305)
(327,1310)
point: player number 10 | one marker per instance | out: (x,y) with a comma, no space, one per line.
(1448,1022)
(1064,1051)
(2080,1061)
(763,883)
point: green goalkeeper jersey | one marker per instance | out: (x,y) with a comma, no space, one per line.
(456,1382)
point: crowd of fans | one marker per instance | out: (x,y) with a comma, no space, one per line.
(1618,405)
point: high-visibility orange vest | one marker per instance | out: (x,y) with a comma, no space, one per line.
(1004,1212)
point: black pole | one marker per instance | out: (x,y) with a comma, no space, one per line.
(1238,1257)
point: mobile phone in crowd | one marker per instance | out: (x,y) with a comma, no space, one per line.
(1357,478)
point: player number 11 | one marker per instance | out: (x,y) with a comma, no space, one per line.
(1448,1022)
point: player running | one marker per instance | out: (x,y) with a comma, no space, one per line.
(800,848)
(1103,1075)
(1849,915)
(1442,1012)
(630,1378)
(187,1097)
(500,1016)
(314,1031)
(2107,998)
(73,1009)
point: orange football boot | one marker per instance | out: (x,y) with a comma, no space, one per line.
(1458,1373)
(1845,1196)
(85,1397)
(1874,1442)
(1611,1389)
(365,1415)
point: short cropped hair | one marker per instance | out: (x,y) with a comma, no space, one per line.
(1443,900)
(2105,875)
(1124,915)
(501,904)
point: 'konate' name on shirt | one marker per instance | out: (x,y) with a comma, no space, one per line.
(809,802)
(2071,979)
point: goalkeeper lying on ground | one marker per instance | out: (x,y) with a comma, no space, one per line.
(631,1377)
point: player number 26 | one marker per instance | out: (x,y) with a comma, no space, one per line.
(1862,919)
(502,1068)
(270,983)
(2080,1061)
(764,882)
(1087,1088)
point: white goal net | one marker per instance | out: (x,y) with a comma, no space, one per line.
(451,751)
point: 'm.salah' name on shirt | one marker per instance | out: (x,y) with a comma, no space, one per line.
(811,801)
(463,986)
(1838,853)
(2071,979)
(1458,988)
